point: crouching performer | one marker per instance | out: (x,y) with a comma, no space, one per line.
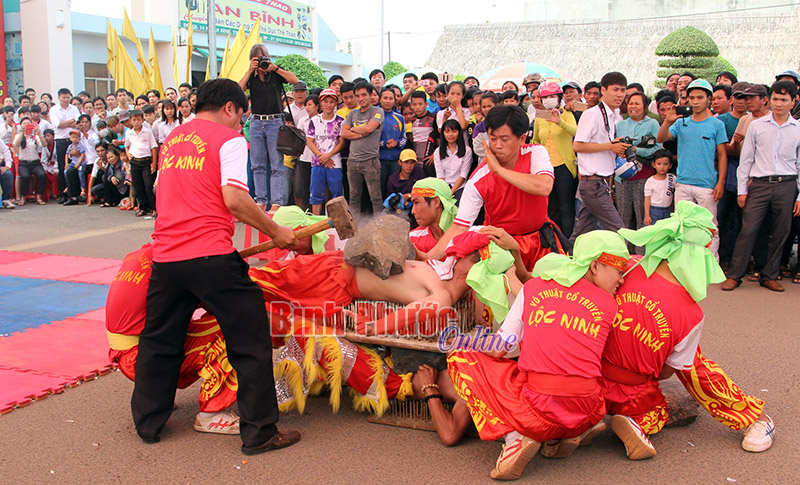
(657,333)
(561,320)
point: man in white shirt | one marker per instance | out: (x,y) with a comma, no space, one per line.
(64,117)
(768,184)
(597,148)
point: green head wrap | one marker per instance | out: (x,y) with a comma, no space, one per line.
(292,216)
(434,187)
(681,239)
(488,279)
(607,246)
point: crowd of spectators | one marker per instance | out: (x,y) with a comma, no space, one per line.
(620,159)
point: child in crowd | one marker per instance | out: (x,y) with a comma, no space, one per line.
(325,141)
(141,148)
(423,132)
(479,134)
(116,133)
(302,170)
(453,158)
(185,114)
(76,154)
(659,189)
(149,116)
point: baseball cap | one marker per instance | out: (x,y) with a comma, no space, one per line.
(755,90)
(533,78)
(327,92)
(738,88)
(700,84)
(123,115)
(300,86)
(789,73)
(408,154)
(573,84)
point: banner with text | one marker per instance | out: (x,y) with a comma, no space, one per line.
(282,21)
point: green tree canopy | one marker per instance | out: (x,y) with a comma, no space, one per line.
(392,69)
(687,42)
(307,71)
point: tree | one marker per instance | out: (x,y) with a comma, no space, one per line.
(307,71)
(689,49)
(392,69)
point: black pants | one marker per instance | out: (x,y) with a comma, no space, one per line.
(110,191)
(25,170)
(777,200)
(142,181)
(302,183)
(729,215)
(226,290)
(561,206)
(73,182)
(61,153)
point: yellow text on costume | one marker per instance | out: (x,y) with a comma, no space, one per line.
(135,277)
(647,338)
(580,324)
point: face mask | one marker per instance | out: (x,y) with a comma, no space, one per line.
(103,133)
(550,103)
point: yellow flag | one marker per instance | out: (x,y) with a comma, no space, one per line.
(128,32)
(242,62)
(155,69)
(238,43)
(189,48)
(111,50)
(174,58)
(225,56)
(129,76)
(208,68)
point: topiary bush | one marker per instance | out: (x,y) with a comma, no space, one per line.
(689,49)
(305,70)
(392,69)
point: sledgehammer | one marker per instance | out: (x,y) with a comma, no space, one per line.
(339,218)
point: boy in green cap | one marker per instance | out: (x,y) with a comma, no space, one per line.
(553,394)
(657,331)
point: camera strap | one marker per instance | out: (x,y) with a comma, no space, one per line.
(280,89)
(605,121)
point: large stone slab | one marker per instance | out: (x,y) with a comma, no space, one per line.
(381,247)
(683,409)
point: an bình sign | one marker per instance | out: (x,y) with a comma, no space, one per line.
(282,21)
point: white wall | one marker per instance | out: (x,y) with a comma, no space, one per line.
(46,49)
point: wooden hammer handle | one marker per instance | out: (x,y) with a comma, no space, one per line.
(300,233)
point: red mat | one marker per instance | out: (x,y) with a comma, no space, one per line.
(7,257)
(73,349)
(19,387)
(62,268)
(98,315)
(98,277)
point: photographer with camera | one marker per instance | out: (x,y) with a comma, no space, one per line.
(629,193)
(265,81)
(700,137)
(597,146)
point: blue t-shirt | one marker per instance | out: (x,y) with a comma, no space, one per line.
(733,162)
(697,148)
(433,106)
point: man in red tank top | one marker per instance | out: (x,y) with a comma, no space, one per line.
(201,188)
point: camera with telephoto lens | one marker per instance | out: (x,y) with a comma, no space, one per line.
(264,62)
(648,141)
(393,201)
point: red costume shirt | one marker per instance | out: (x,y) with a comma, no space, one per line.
(196,161)
(506,206)
(658,323)
(126,301)
(562,330)
(422,239)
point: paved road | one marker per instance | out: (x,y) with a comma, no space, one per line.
(85,435)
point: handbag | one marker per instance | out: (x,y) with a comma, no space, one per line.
(291,139)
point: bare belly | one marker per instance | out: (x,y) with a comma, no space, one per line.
(417,281)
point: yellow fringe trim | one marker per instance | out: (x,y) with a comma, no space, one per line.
(389,361)
(295,374)
(406,388)
(332,355)
(363,403)
(309,364)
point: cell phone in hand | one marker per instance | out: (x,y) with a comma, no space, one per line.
(683,111)
(544,114)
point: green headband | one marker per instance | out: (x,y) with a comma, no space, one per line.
(488,279)
(606,246)
(681,239)
(292,216)
(434,187)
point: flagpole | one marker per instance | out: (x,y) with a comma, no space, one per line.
(212,41)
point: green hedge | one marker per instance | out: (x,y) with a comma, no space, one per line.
(305,70)
(721,64)
(687,62)
(687,41)
(660,83)
(392,69)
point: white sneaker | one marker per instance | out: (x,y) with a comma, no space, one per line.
(7,204)
(758,436)
(637,444)
(223,422)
